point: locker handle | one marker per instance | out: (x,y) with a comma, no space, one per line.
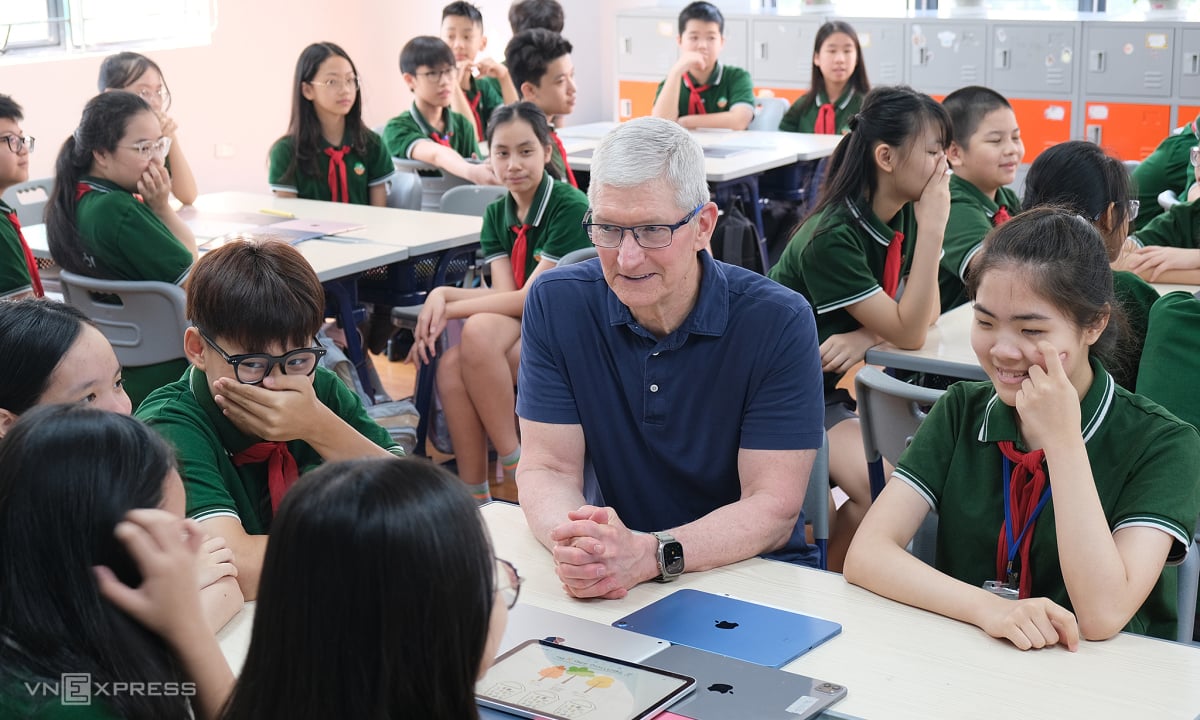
(1191,64)
(1002,59)
(1095,134)
(627,45)
(1096,61)
(762,51)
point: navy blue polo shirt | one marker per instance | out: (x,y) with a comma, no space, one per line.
(664,419)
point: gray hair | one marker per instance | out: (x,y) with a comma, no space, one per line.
(651,150)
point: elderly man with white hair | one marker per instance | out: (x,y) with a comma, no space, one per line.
(692,388)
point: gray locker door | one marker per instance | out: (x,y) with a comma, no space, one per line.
(1189,64)
(1128,59)
(737,44)
(1036,58)
(946,55)
(883,44)
(646,45)
(781,50)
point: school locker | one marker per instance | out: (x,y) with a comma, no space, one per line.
(883,49)
(646,45)
(1128,59)
(1188,67)
(1044,123)
(1034,58)
(946,55)
(737,44)
(635,98)
(1130,131)
(781,50)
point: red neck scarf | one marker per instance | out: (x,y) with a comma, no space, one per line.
(282,471)
(520,251)
(1001,216)
(695,102)
(1025,490)
(562,152)
(891,266)
(337,173)
(30,261)
(475,111)
(826,120)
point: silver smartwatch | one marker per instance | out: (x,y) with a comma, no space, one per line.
(670,557)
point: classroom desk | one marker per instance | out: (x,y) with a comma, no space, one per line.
(897,661)
(947,349)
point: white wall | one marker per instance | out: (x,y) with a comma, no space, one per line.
(235,93)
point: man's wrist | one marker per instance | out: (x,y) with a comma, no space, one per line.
(648,566)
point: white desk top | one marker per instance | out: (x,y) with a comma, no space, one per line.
(897,661)
(947,349)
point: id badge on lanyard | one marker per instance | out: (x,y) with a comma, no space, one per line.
(1010,587)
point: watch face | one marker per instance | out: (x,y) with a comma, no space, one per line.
(672,558)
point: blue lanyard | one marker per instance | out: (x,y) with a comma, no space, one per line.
(1014,543)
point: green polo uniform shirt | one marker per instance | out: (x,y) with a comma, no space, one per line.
(1178,227)
(801,117)
(363,171)
(972,215)
(1137,451)
(727,86)
(18,703)
(1167,371)
(836,260)
(555,219)
(1167,168)
(14,270)
(205,441)
(1136,297)
(409,128)
(490,97)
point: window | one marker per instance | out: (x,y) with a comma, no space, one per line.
(68,26)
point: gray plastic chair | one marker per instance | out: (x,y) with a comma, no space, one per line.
(1189,583)
(471,199)
(404,191)
(577,256)
(890,411)
(768,112)
(143,320)
(1168,199)
(816,502)
(434,182)
(29,200)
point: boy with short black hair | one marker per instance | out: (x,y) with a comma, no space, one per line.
(541,68)
(699,91)
(18,269)
(475,97)
(430,131)
(984,153)
(255,409)
(529,14)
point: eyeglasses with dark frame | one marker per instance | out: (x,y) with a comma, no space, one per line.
(650,237)
(253,368)
(512,590)
(16,142)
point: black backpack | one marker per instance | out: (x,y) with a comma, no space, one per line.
(736,240)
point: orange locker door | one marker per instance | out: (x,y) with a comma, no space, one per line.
(1187,113)
(1043,123)
(636,98)
(1129,131)
(789,94)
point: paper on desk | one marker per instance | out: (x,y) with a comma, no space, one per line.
(320,227)
(272,232)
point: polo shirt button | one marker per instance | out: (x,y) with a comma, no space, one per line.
(653,388)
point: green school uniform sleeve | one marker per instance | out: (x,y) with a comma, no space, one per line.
(741,87)
(835,271)
(379,160)
(1136,297)
(493,235)
(463,138)
(1172,352)
(400,133)
(561,230)
(14,271)
(1167,168)
(278,175)
(797,119)
(1178,227)
(126,239)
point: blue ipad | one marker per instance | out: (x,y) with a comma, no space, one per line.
(730,627)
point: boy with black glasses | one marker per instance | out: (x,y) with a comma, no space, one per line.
(18,270)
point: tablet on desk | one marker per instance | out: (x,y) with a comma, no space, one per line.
(539,679)
(727,626)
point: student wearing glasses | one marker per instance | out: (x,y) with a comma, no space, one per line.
(254,411)
(18,269)
(328,153)
(691,387)
(138,74)
(109,214)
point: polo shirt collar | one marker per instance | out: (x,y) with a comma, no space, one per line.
(1000,420)
(870,223)
(233,440)
(714,78)
(422,123)
(843,99)
(709,314)
(967,188)
(5,209)
(100,184)
(537,211)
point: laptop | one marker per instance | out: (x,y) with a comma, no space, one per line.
(731,627)
(728,688)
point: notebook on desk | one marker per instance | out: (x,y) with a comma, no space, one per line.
(732,689)
(727,626)
(320,227)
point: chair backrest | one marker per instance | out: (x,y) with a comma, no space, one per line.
(576,256)
(29,199)
(1167,199)
(890,411)
(768,112)
(816,502)
(471,199)
(1189,580)
(143,320)
(434,182)
(1131,165)
(404,191)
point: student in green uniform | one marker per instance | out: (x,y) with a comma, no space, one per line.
(74,483)
(140,75)
(243,431)
(529,14)
(542,69)
(475,97)
(524,234)
(1170,243)
(18,269)
(430,131)
(699,91)
(839,84)
(109,214)
(984,155)
(1167,168)
(1081,177)
(328,153)
(866,232)
(1059,495)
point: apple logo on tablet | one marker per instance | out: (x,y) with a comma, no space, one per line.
(726,625)
(721,688)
